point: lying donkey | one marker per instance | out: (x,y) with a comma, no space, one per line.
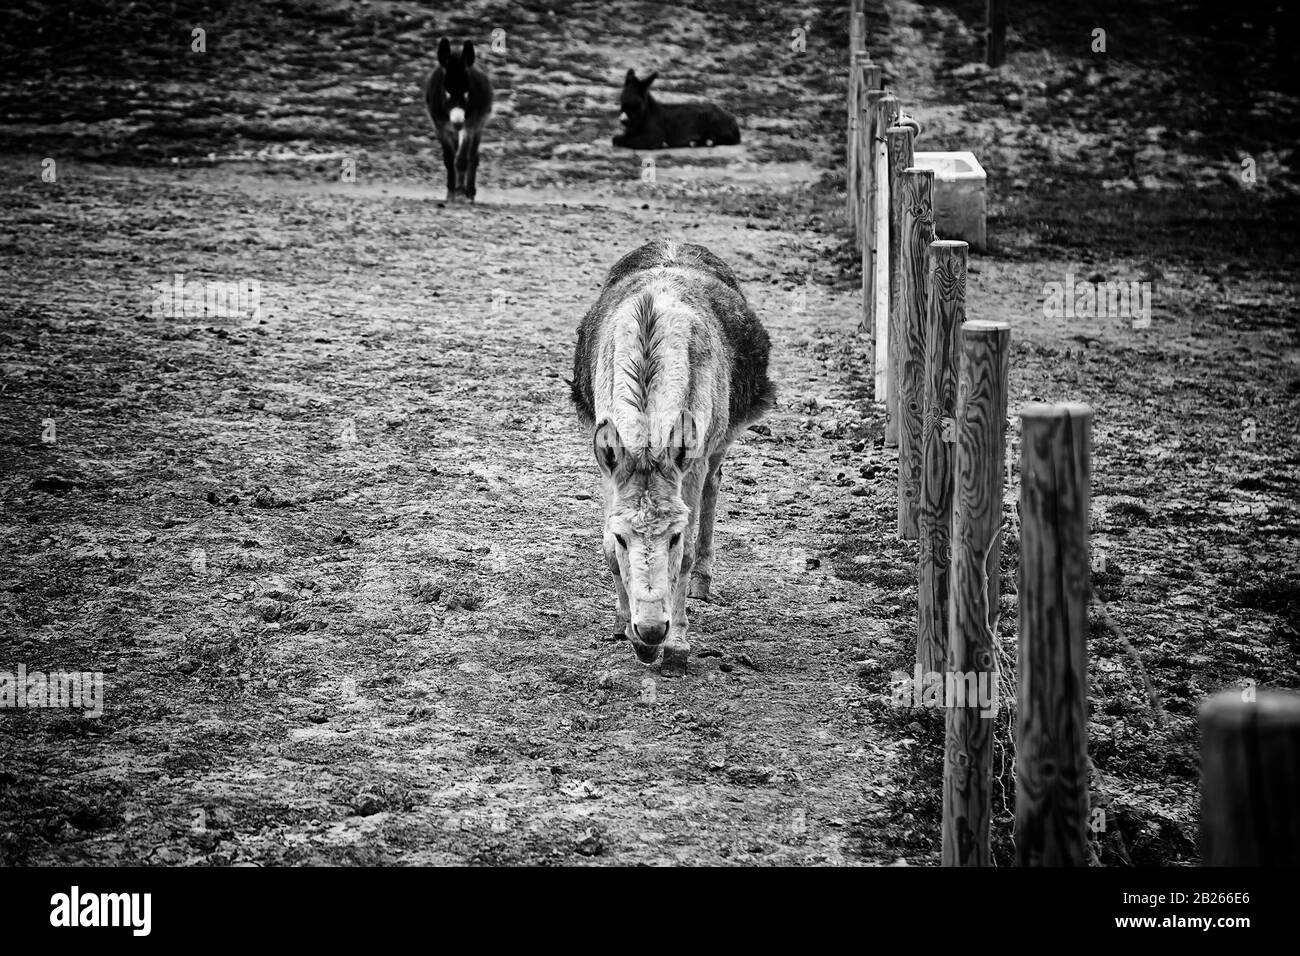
(458,95)
(670,365)
(649,124)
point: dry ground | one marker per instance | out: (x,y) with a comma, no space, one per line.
(397,646)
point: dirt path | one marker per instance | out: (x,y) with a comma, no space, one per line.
(340,564)
(399,648)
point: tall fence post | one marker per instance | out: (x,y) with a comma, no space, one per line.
(973,592)
(867,159)
(857,30)
(1250,778)
(866,78)
(1052,660)
(945,306)
(995,32)
(915,234)
(898,142)
(868,83)
(886,113)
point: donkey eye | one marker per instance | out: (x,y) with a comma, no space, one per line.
(672,542)
(622,542)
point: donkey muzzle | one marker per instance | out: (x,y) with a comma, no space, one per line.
(456,117)
(651,634)
(645,653)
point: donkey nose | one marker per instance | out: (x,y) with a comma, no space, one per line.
(651,634)
(457,117)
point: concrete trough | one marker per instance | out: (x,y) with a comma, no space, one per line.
(960,206)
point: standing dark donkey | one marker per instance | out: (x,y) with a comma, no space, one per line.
(459,99)
(649,124)
(671,365)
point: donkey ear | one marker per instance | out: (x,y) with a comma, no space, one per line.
(645,84)
(444,52)
(630,78)
(467,53)
(606,445)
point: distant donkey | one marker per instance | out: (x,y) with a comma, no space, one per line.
(670,365)
(649,124)
(458,95)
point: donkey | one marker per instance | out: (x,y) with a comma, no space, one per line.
(670,365)
(649,124)
(458,95)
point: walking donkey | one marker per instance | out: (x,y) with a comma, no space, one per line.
(670,365)
(458,95)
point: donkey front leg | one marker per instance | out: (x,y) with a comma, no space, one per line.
(622,616)
(471,175)
(449,160)
(702,579)
(462,161)
(677,648)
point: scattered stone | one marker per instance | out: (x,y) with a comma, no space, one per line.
(367,804)
(590,844)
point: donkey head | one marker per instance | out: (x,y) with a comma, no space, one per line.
(634,101)
(645,523)
(455,80)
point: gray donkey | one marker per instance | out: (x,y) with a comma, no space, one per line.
(670,365)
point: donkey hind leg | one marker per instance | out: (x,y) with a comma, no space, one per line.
(622,616)
(702,577)
(677,648)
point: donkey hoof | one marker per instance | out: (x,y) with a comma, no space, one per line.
(675,658)
(699,588)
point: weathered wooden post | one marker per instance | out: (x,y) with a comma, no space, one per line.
(886,113)
(945,306)
(868,83)
(898,142)
(995,32)
(867,149)
(1052,662)
(915,235)
(857,30)
(973,592)
(866,78)
(1250,778)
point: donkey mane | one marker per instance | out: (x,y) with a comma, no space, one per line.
(644,361)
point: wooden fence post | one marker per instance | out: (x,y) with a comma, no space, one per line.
(867,160)
(945,306)
(868,84)
(916,234)
(898,141)
(1250,778)
(973,592)
(1052,661)
(857,30)
(995,32)
(865,76)
(886,113)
